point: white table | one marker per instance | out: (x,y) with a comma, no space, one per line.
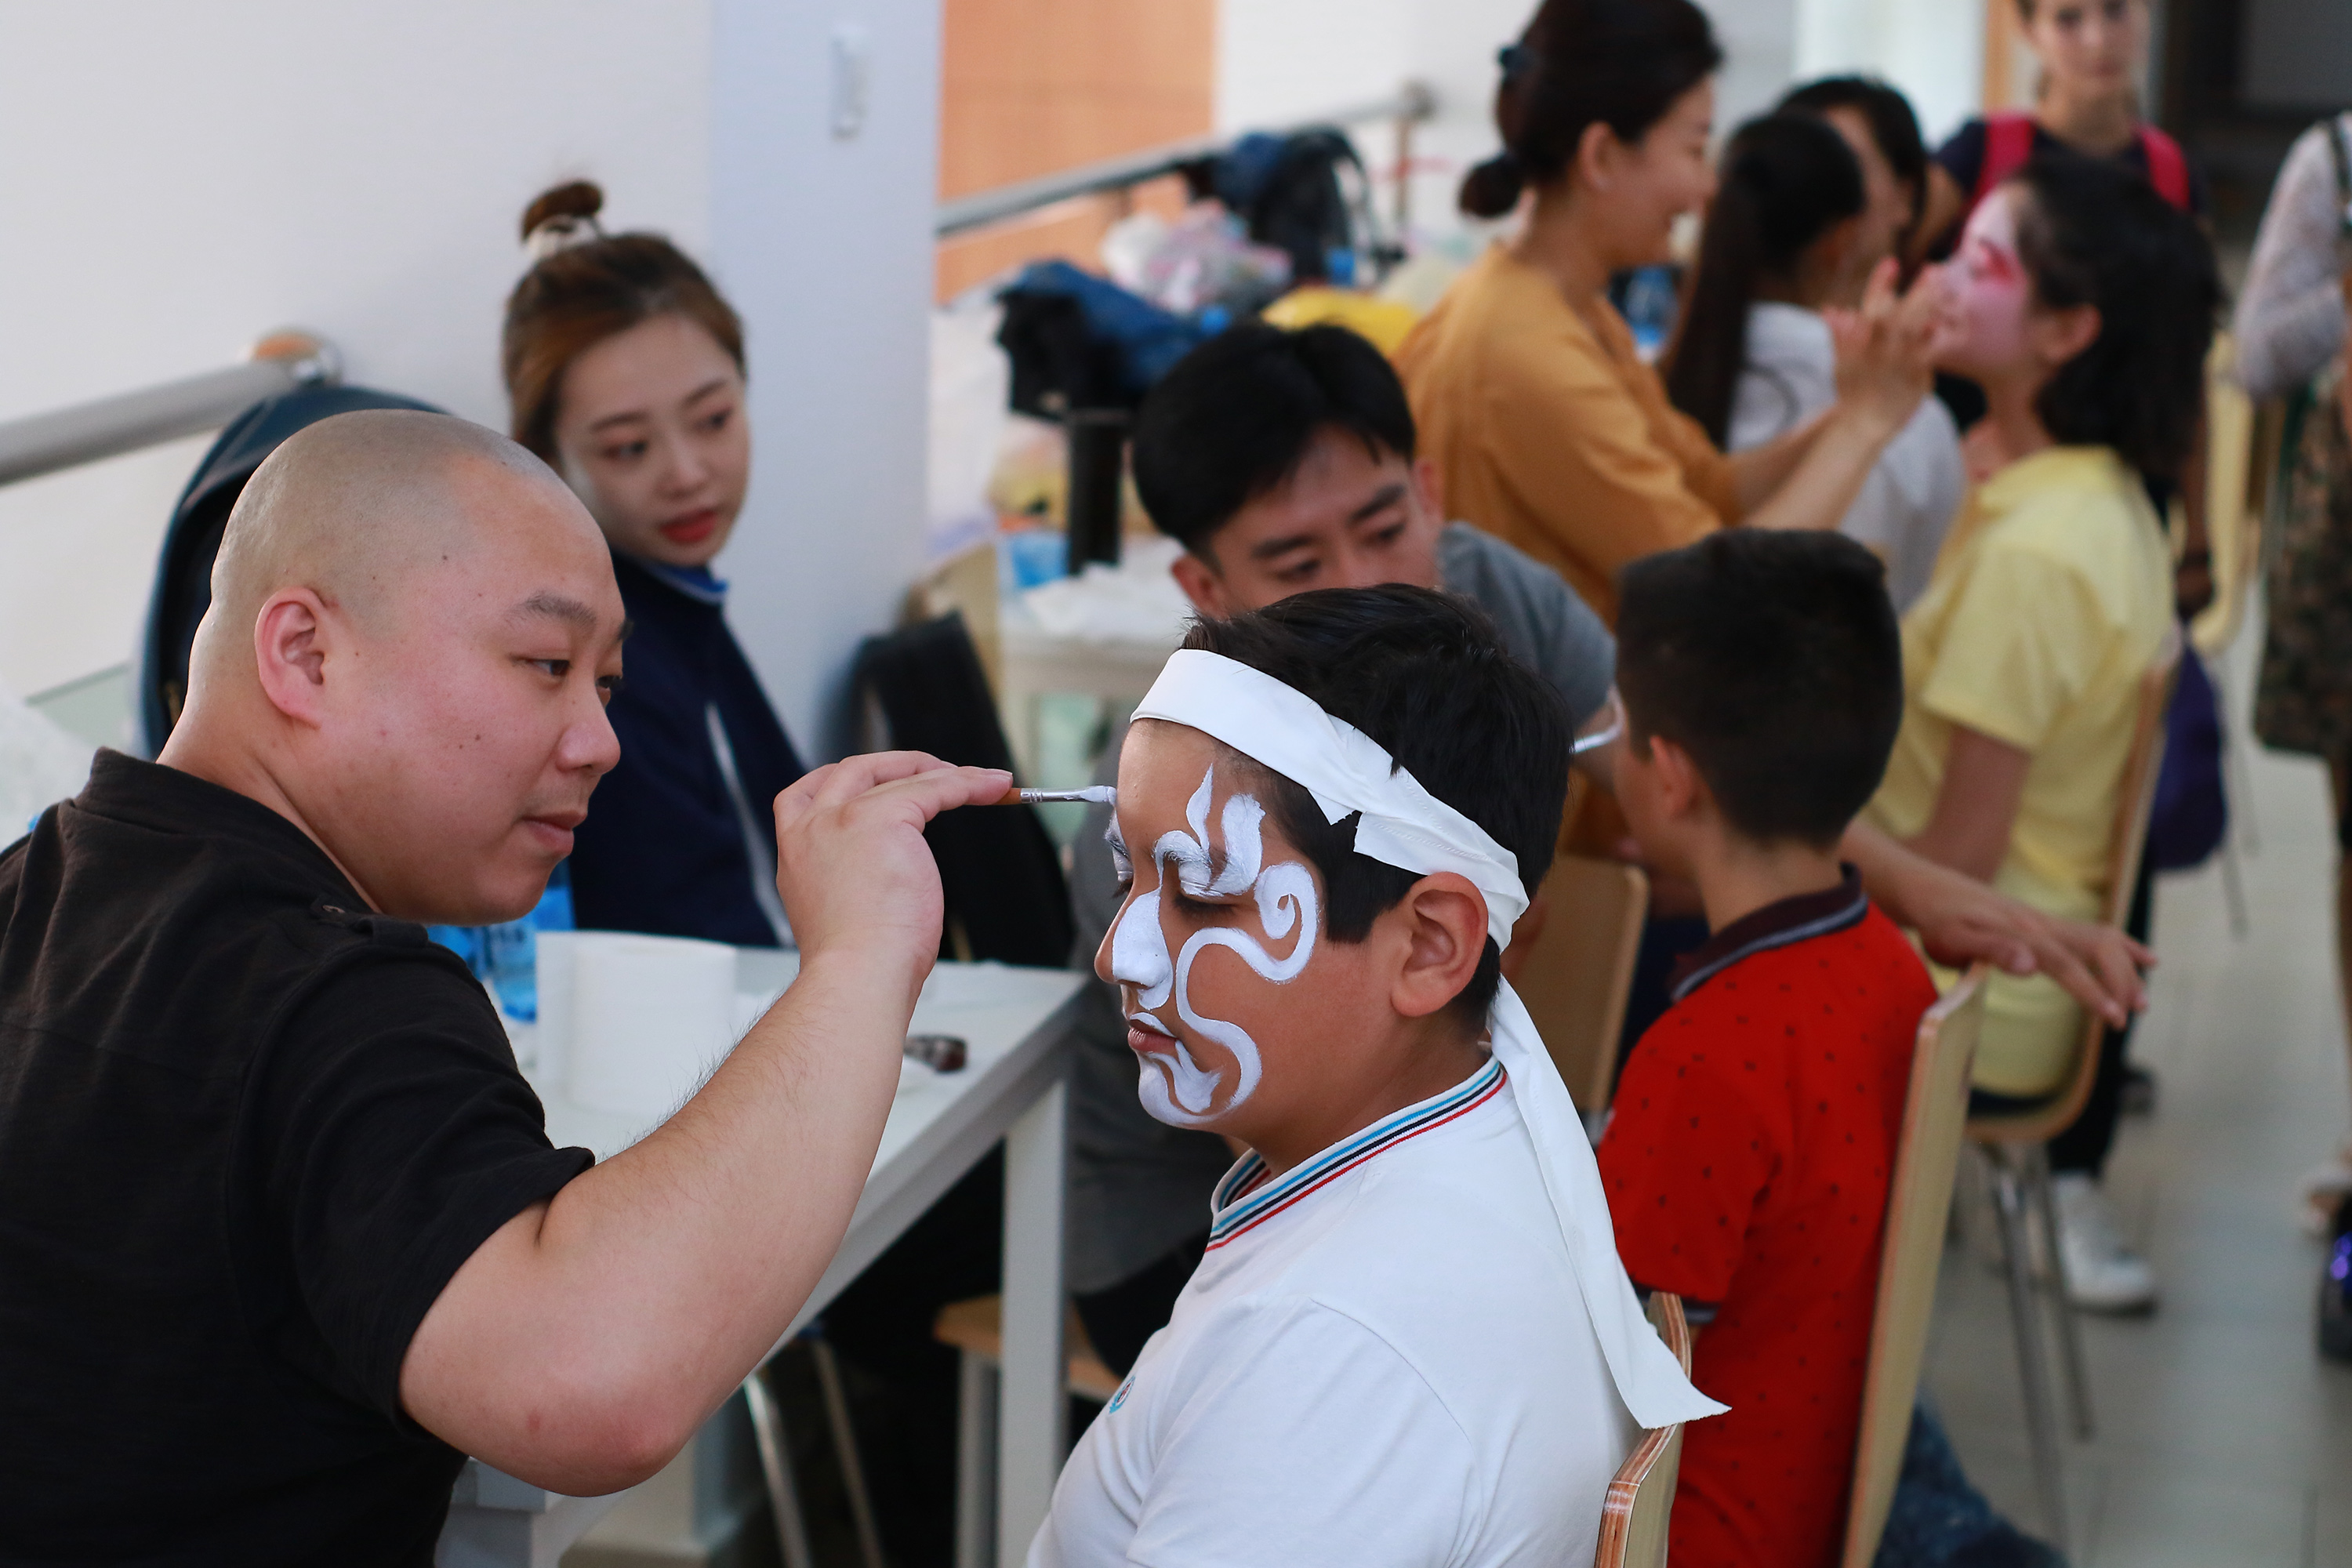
(1014,1020)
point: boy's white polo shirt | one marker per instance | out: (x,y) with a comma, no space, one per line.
(1383,1358)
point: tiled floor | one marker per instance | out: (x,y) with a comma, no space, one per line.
(2223,1441)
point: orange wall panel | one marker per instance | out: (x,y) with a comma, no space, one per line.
(1029,87)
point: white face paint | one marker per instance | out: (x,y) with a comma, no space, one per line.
(1175,1088)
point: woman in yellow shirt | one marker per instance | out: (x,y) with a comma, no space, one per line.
(1547,427)
(2083,304)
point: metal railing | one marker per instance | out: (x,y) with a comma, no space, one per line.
(44,443)
(1408,104)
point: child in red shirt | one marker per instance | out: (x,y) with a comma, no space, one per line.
(1752,1137)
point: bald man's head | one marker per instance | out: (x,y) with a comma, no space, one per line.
(354,507)
(414,631)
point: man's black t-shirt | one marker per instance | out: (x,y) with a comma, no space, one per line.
(247,1133)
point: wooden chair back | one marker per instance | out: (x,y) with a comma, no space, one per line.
(976,1327)
(1918,1204)
(2236,489)
(1579,968)
(2134,800)
(1640,1497)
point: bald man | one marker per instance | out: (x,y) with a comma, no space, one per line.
(281,1233)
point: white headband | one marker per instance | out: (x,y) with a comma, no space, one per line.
(1404,825)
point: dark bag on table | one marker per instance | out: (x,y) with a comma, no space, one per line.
(999,869)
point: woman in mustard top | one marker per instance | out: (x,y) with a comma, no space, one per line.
(2084,305)
(1547,427)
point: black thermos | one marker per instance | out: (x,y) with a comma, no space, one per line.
(1098,467)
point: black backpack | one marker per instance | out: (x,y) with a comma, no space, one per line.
(1306,194)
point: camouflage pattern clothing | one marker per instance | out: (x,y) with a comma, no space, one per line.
(2303,702)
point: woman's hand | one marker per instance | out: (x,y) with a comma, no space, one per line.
(1960,920)
(1885,348)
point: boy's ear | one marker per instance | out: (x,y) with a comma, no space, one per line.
(1682,789)
(1444,921)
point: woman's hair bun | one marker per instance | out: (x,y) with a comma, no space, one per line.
(1492,189)
(574,203)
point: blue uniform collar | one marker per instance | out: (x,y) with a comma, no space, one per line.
(694,582)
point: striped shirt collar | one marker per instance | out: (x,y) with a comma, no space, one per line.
(1775,925)
(1245,1198)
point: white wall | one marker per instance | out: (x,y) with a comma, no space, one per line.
(1935,53)
(825,245)
(181,178)
(1283,60)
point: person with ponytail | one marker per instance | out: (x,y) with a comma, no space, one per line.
(625,371)
(1806,208)
(1547,429)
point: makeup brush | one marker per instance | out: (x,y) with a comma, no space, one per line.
(1093,795)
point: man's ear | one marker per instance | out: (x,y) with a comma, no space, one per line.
(1444,921)
(2059,335)
(1428,485)
(1199,579)
(290,647)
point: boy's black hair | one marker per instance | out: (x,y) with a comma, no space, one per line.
(1234,418)
(1886,111)
(1426,676)
(2092,233)
(1774,660)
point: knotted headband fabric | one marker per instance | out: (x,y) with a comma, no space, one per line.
(1403,824)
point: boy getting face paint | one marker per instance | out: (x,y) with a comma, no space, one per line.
(1409,1337)
(1246,1020)
(1207,874)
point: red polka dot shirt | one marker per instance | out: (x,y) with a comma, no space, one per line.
(1747,1160)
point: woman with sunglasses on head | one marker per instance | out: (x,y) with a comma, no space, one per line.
(1546,427)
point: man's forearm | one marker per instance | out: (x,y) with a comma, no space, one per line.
(634,1301)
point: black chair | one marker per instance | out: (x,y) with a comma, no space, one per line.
(184,571)
(1001,873)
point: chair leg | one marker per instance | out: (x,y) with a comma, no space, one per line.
(2041,1419)
(776,1465)
(975,1516)
(2070,1321)
(844,1444)
(2233,889)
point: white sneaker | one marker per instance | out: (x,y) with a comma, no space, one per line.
(2322,1189)
(2103,1273)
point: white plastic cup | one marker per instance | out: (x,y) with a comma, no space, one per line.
(650,1016)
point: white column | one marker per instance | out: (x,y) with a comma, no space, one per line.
(825,148)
